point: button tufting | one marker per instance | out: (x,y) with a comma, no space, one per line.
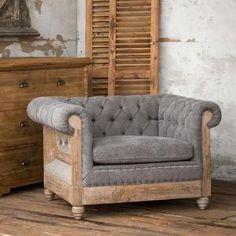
(141,132)
(104,133)
(123,132)
(102,107)
(112,119)
(93,120)
(131,118)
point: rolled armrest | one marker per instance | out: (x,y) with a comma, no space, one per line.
(181,118)
(187,110)
(53,112)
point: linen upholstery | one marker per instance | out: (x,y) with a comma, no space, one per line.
(121,115)
(163,115)
(139,149)
(181,118)
(54,113)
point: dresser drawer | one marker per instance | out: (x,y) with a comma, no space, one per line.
(16,128)
(65,82)
(20,159)
(19,87)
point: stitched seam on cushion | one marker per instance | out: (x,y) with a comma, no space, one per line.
(147,158)
(141,168)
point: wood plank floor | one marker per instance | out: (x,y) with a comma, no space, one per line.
(26,212)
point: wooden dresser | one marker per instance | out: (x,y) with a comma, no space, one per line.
(21,80)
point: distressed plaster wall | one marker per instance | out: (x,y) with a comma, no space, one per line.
(56,21)
(198,59)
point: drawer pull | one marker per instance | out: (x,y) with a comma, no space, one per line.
(24,84)
(24,124)
(23,163)
(61,82)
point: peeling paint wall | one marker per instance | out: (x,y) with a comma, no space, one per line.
(198,59)
(56,22)
(200,62)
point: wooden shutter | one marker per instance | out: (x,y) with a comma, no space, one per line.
(123,42)
(97,46)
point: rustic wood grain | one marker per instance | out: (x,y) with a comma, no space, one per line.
(145,192)
(21,80)
(123,43)
(172,217)
(206,152)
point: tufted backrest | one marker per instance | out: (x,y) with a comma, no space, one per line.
(121,115)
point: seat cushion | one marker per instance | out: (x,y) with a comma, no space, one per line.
(140,149)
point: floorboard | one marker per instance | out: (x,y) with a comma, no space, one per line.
(27,212)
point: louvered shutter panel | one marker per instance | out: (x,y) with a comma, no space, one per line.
(97,46)
(124,46)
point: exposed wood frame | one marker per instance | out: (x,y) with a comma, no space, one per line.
(155,15)
(80,196)
(206,153)
(112,49)
(142,192)
(89,41)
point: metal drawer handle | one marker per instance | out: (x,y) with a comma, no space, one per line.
(61,82)
(23,163)
(24,84)
(24,124)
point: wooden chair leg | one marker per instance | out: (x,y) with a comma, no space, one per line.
(78,212)
(203,202)
(49,194)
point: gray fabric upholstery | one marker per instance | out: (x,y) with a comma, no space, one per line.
(139,149)
(120,115)
(163,115)
(107,175)
(181,118)
(54,113)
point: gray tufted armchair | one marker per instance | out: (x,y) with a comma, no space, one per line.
(102,150)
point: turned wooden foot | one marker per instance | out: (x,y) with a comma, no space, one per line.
(78,212)
(49,194)
(203,202)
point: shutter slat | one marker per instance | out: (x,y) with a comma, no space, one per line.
(122,40)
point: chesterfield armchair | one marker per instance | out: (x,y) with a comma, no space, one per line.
(102,150)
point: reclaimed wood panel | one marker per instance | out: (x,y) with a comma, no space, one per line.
(172,217)
(21,80)
(122,40)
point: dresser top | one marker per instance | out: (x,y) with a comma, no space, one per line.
(36,63)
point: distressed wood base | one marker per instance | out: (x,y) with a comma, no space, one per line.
(49,194)
(142,192)
(203,202)
(183,218)
(78,212)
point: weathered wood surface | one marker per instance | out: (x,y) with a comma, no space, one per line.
(122,39)
(174,217)
(21,80)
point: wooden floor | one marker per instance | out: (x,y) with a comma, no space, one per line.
(27,212)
